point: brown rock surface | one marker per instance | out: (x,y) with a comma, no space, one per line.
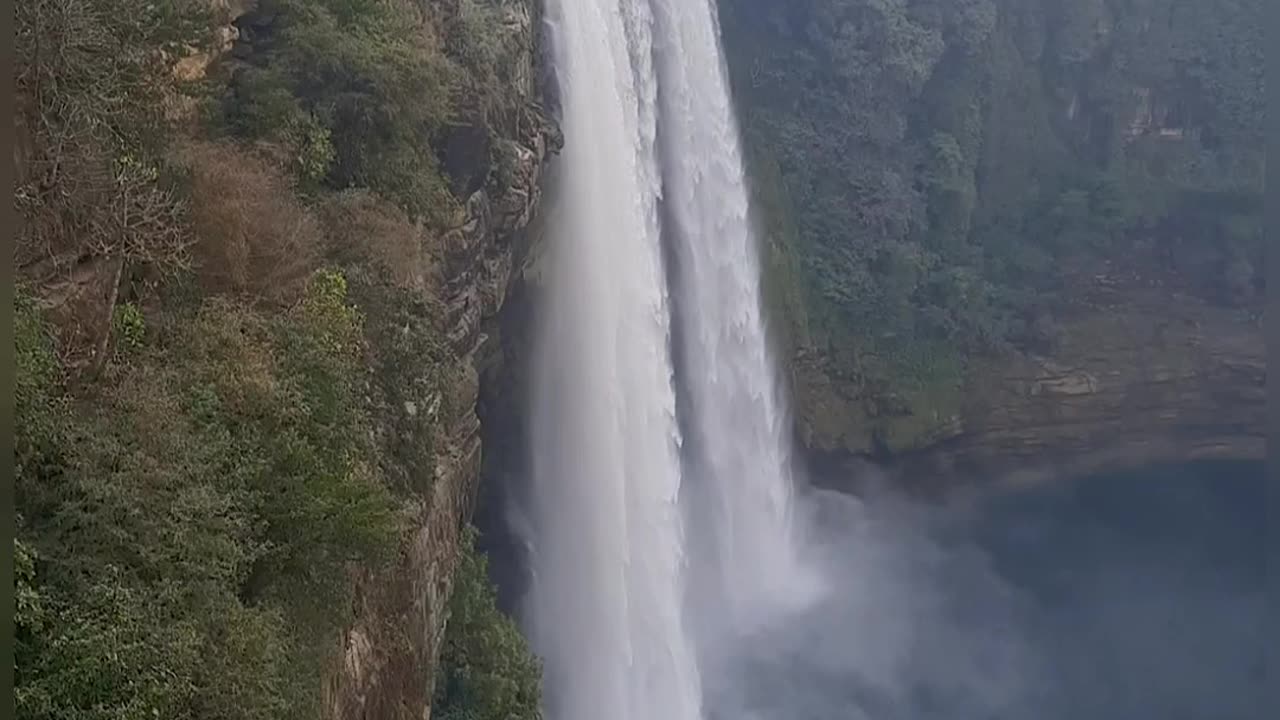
(1149,377)
(390,650)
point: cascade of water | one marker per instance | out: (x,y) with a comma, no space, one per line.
(606,602)
(739,460)
(650,128)
(666,580)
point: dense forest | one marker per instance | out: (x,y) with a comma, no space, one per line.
(241,226)
(228,292)
(947,180)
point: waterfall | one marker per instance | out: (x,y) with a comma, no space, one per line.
(607,595)
(739,457)
(644,551)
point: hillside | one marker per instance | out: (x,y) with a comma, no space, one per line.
(258,242)
(969,201)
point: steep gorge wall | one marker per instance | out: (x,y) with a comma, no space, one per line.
(391,650)
(1000,230)
(422,288)
(1145,379)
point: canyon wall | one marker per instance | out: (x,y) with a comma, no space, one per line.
(1005,230)
(306,216)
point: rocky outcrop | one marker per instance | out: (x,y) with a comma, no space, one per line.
(195,62)
(192,63)
(1143,377)
(389,651)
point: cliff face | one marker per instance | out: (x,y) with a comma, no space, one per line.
(1011,230)
(219,271)
(391,649)
(1152,378)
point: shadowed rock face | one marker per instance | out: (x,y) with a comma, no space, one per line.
(1146,378)
(1140,377)
(391,647)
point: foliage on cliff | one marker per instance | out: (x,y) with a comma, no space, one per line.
(360,92)
(957,174)
(191,521)
(195,502)
(355,90)
(92,87)
(488,672)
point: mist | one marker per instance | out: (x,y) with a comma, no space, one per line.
(1127,596)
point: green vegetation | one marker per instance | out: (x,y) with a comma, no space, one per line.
(231,366)
(355,91)
(37,404)
(192,521)
(360,92)
(959,173)
(488,672)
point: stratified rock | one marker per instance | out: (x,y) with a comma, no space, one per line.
(391,647)
(1151,377)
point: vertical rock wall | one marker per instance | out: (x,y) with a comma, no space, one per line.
(390,651)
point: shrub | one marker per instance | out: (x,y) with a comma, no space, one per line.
(407,355)
(286,395)
(28,607)
(190,537)
(253,236)
(362,79)
(365,229)
(37,401)
(486,669)
(129,327)
(91,82)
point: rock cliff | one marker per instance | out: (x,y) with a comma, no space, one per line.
(1147,378)
(1011,231)
(259,246)
(1139,375)
(424,322)
(391,649)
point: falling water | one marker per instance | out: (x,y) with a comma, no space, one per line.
(739,462)
(666,584)
(606,602)
(650,137)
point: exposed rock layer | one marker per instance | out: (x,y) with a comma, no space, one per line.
(390,650)
(1144,377)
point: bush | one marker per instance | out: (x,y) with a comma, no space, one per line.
(92,80)
(363,228)
(37,400)
(129,328)
(356,89)
(486,669)
(253,236)
(190,537)
(406,355)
